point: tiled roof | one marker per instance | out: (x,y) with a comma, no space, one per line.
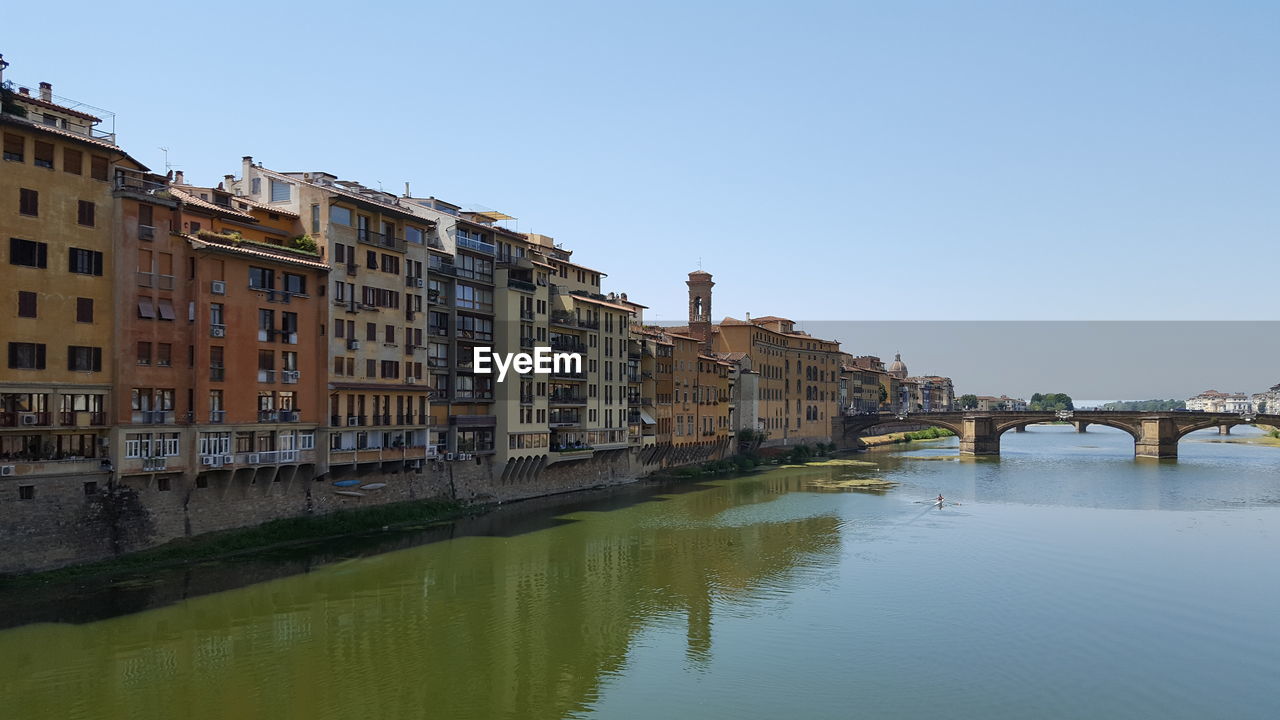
(262,206)
(34,100)
(187,195)
(23,122)
(283,256)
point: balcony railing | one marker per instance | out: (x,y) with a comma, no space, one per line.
(217,417)
(21,419)
(474,335)
(557,398)
(217,331)
(266,376)
(522,285)
(80,418)
(568,346)
(146,232)
(152,417)
(217,373)
(465,241)
(526,342)
(135,182)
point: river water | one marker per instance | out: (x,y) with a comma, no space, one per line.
(1068,581)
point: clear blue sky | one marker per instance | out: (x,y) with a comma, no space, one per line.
(860,160)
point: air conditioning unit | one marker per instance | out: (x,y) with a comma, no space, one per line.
(254,459)
(207,460)
(218,287)
(448,456)
(410,380)
(218,331)
(228,459)
(29,418)
(353,421)
(290,376)
(420,283)
(7,470)
(353,344)
(415,464)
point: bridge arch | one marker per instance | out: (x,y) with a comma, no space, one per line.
(1134,431)
(855,424)
(1186,430)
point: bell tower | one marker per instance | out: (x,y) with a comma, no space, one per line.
(700,285)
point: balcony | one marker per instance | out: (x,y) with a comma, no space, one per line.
(154,280)
(557,374)
(557,398)
(131,181)
(568,346)
(152,417)
(526,398)
(526,342)
(633,377)
(217,331)
(350,235)
(217,373)
(146,232)
(522,285)
(217,417)
(289,416)
(352,269)
(440,267)
(564,319)
(40,464)
(474,335)
(470,243)
(23,419)
(289,377)
(80,419)
(562,420)
(266,376)
(347,421)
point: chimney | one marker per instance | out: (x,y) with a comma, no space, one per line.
(46,92)
(406,189)
(246,164)
(3,65)
(24,91)
(177,178)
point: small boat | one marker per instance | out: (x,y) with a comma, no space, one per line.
(349,493)
(346,483)
(373,486)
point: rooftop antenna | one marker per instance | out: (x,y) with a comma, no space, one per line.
(167,166)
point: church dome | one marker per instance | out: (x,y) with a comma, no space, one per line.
(898,368)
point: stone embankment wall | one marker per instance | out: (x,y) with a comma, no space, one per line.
(63,525)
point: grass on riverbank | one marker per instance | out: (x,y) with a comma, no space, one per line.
(932,433)
(274,534)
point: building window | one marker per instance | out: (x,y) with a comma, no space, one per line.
(296,284)
(26,492)
(98,167)
(44,155)
(339,215)
(315,218)
(86,213)
(84,310)
(144,353)
(164,305)
(26,304)
(146,308)
(72,161)
(13,147)
(28,202)
(261,278)
(255,186)
(164,355)
(84,359)
(279,191)
(163,484)
(26,356)
(85,262)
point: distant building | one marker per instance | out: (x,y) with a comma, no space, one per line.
(1220,402)
(1267,402)
(1004,402)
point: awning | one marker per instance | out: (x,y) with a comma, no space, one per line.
(647,419)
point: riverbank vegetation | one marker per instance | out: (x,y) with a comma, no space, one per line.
(1146,405)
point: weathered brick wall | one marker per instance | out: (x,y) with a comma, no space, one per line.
(64,526)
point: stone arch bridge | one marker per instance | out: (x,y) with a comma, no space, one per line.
(1155,434)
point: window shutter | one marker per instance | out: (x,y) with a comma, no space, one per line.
(40,357)
(97,263)
(97,359)
(42,255)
